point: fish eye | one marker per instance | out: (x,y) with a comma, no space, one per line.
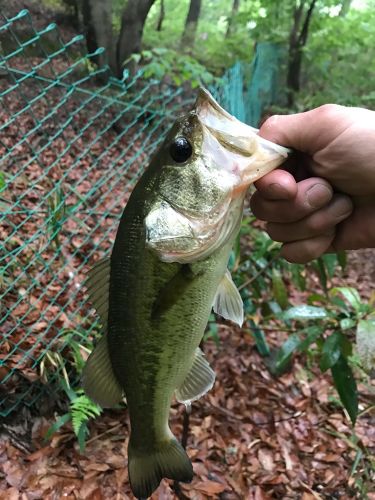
(180,149)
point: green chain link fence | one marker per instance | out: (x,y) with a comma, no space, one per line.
(71,150)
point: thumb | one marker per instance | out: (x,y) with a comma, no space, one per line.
(307,132)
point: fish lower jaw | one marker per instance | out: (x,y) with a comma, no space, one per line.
(211,239)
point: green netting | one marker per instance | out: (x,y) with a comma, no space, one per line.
(71,150)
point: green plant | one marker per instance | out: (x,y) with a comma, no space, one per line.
(2,181)
(323,326)
(81,408)
(161,62)
(56,213)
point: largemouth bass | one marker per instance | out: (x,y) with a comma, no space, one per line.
(167,270)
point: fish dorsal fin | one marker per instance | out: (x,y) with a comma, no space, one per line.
(198,381)
(228,302)
(97,285)
(98,379)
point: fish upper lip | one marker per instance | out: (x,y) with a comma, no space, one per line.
(229,131)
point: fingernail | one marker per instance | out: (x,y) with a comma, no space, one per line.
(318,195)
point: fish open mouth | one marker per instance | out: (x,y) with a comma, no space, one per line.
(258,155)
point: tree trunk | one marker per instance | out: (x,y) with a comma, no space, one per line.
(297,41)
(159,24)
(345,7)
(191,23)
(97,19)
(72,7)
(235,7)
(132,23)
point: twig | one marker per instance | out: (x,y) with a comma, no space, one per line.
(108,431)
(259,273)
(185,426)
(185,434)
(236,418)
(313,493)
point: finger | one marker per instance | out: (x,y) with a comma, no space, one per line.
(357,231)
(318,223)
(277,185)
(312,194)
(301,252)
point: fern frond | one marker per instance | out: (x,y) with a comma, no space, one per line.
(82,409)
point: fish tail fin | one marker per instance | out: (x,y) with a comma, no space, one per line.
(148,468)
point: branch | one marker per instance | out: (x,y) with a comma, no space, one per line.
(259,273)
(305,28)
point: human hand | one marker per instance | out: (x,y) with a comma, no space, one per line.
(328,204)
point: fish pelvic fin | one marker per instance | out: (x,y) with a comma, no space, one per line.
(98,379)
(199,380)
(147,469)
(228,302)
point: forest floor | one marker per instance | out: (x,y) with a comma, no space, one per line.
(253,436)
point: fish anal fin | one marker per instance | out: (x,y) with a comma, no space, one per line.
(97,285)
(198,381)
(147,469)
(98,379)
(228,301)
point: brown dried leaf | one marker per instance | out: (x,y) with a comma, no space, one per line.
(210,487)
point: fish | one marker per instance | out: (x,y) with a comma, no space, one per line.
(167,270)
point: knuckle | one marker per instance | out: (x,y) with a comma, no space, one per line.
(270,126)
(317,224)
(326,111)
(271,121)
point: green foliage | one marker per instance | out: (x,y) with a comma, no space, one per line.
(2,181)
(212,47)
(323,327)
(212,330)
(81,408)
(365,338)
(160,63)
(339,60)
(56,214)
(338,314)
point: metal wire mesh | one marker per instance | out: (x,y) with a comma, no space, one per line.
(71,150)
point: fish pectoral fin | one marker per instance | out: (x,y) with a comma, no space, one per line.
(98,379)
(198,381)
(97,285)
(148,468)
(228,301)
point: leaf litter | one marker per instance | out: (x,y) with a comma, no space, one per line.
(253,436)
